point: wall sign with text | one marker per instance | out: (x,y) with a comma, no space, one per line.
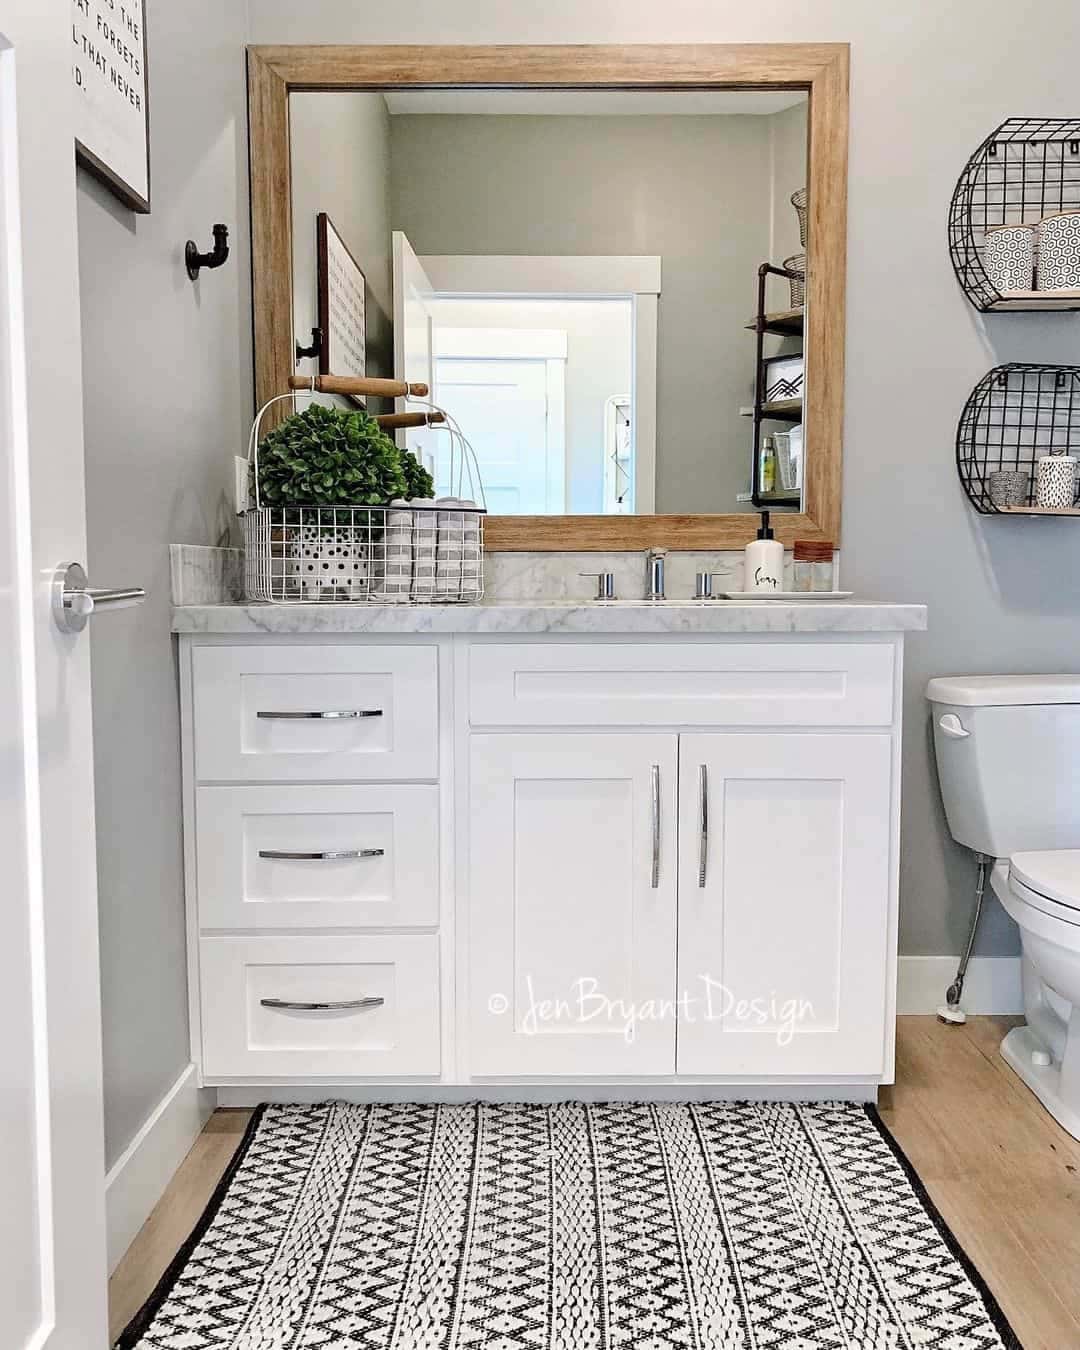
(112,122)
(342,305)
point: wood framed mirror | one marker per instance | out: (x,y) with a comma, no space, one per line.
(820,70)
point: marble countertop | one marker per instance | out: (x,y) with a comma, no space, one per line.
(710,616)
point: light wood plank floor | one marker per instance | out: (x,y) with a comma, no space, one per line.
(1004,1175)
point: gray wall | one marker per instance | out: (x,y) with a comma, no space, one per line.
(166,384)
(694,190)
(341,165)
(927,86)
(787,173)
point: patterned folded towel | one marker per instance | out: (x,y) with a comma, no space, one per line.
(425,528)
(395,570)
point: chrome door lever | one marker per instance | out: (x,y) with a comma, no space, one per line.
(73,601)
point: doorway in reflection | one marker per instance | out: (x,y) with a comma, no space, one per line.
(537,380)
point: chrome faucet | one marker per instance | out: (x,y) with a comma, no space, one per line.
(654,574)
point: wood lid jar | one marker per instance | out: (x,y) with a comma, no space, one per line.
(813,565)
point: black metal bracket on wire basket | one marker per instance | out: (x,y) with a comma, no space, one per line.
(1025,170)
(1014,416)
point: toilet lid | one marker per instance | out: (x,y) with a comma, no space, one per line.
(1055,874)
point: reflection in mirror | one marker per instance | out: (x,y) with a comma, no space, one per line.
(579,278)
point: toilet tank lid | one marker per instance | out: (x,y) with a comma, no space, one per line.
(1003,691)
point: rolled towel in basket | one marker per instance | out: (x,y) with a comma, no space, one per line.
(396,570)
(425,531)
(472,561)
(457,549)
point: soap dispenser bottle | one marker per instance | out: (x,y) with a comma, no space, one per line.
(764,566)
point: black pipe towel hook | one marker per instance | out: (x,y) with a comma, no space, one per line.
(195,260)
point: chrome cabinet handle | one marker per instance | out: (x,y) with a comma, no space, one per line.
(73,601)
(323,855)
(655,826)
(703,821)
(339,716)
(296,1006)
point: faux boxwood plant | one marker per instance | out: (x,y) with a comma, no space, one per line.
(331,457)
(418,482)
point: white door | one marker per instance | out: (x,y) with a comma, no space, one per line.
(506,387)
(502,406)
(571,922)
(414,353)
(783,903)
(52,1235)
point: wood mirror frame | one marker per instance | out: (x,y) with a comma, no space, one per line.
(820,69)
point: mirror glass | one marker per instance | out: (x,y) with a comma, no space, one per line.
(576,275)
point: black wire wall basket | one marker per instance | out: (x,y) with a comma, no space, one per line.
(1016,415)
(1025,171)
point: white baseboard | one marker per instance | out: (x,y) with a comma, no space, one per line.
(992,984)
(555,1092)
(136,1180)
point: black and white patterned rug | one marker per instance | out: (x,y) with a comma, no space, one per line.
(569,1227)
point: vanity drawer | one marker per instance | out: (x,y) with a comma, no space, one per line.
(318,857)
(733,684)
(309,713)
(244,1038)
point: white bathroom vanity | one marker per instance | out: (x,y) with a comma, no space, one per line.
(541,850)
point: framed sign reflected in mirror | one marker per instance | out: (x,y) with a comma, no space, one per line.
(589,255)
(342,305)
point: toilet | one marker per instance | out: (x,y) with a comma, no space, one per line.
(1008,754)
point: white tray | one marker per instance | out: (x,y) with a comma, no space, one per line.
(787,596)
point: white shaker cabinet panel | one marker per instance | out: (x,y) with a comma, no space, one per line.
(315,1007)
(572,904)
(784,901)
(649,684)
(334,856)
(311,713)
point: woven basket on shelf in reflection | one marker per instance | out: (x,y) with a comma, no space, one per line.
(796,266)
(799,200)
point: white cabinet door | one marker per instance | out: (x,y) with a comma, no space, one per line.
(571,912)
(783,911)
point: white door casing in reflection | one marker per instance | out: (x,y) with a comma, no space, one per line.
(52,1184)
(414,359)
(781,949)
(571,925)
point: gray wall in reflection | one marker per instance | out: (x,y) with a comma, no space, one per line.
(695,190)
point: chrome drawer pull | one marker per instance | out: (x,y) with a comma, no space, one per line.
(293,1006)
(323,855)
(343,715)
(655,878)
(703,800)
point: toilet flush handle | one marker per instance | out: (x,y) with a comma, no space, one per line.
(951,726)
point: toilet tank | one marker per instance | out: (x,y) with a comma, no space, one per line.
(1008,755)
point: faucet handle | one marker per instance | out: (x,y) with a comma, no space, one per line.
(605,584)
(703,588)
